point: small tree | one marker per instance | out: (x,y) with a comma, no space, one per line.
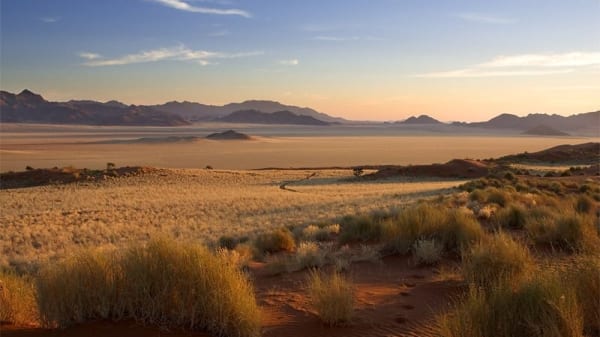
(357,171)
(110,166)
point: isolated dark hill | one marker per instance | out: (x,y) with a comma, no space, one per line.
(279,117)
(582,154)
(423,119)
(27,107)
(570,123)
(228,135)
(543,130)
(202,112)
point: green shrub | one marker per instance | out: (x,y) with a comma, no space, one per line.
(495,260)
(498,197)
(514,216)
(541,307)
(275,241)
(332,297)
(165,283)
(361,228)
(228,242)
(17,299)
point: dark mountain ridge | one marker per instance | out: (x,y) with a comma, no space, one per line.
(28,107)
(277,117)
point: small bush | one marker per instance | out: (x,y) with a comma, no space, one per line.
(496,260)
(575,233)
(275,241)
(584,204)
(541,307)
(427,252)
(360,228)
(477,195)
(164,283)
(309,254)
(17,299)
(332,297)
(228,242)
(584,277)
(514,216)
(498,197)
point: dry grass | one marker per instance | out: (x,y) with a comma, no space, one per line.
(427,252)
(495,260)
(164,283)
(332,297)
(51,221)
(17,299)
(541,307)
(584,277)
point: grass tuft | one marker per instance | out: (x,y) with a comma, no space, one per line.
(17,299)
(332,296)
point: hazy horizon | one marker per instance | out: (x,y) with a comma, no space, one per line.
(385,60)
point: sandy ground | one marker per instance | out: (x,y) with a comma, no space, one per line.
(48,146)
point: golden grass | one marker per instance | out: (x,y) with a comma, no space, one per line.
(17,299)
(164,283)
(332,297)
(543,306)
(51,221)
(495,260)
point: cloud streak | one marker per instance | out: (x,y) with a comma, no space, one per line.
(292,62)
(524,65)
(50,19)
(184,6)
(178,53)
(485,18)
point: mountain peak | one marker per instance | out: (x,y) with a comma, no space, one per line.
(29,95)
(422,119)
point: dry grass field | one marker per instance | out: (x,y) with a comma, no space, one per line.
(199,204)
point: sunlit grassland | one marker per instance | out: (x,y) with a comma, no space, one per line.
(48,221)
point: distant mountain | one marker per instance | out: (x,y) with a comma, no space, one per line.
(202,112)
(570,123)
(278,117)
(28,107)
(423,119)
(543,130)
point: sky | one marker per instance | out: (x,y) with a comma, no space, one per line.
(359,59)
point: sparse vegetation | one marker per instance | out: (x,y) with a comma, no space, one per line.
(427,252)
(495,260)
(164,283)
(278,240)
(17,299)
(332,297)
(540,307)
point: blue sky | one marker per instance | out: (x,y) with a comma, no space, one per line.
(377,59)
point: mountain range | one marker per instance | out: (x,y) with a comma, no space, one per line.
(29,107)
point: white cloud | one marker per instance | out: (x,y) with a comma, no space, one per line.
(179,53)
(89,56)
(184,6)
(465,73)
(50,19)
(524,65)
(574,59)
(292,62)
(484,18)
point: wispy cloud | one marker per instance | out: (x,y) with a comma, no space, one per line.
(485,18)
(178,53)
(524,65)
(89,56)
(50,19)
(335,38)
(184,6)
(218,33)
(292,62)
